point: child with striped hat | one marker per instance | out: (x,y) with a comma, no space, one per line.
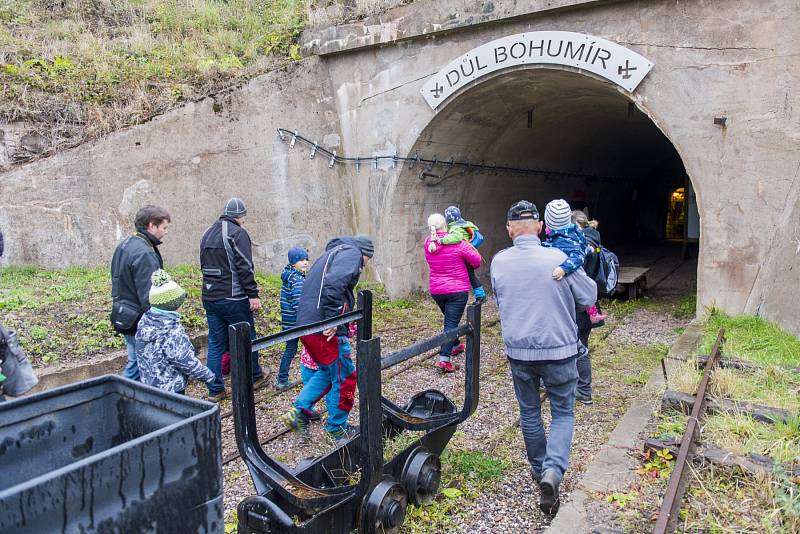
(165,354)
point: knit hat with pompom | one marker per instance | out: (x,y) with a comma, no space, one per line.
(165,294)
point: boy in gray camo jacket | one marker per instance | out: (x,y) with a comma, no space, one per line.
(165,354)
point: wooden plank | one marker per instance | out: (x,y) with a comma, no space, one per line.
(629,275)
(675,400)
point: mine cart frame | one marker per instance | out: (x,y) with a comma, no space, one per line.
(318,496)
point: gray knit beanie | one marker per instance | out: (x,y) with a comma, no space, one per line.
(557,214)
(364,244)
(235,208)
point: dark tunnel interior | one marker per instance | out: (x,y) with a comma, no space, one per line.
(598,146)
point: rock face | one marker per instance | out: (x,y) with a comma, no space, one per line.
(358,93)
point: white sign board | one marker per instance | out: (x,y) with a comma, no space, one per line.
(599,56)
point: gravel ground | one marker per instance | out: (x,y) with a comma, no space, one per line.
(510,504)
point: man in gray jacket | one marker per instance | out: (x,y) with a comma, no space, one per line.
(537,316)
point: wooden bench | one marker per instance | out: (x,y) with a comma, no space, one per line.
(633,280)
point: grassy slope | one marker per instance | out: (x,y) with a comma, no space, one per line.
(80,68)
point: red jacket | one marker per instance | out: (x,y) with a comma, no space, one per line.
(448,266)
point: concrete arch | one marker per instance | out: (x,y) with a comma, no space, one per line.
(578,123)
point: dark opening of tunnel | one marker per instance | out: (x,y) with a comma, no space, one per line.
(615,158)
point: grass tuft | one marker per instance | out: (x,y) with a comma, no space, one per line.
(752,338)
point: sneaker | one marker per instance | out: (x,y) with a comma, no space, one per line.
(594,319)
(338,437)
(296,421)
(313,415)
(280,385)
(548,500)
(260,382)
(446,367)
(586,401)
(217,397)
(458,349)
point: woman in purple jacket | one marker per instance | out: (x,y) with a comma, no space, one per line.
(449,282)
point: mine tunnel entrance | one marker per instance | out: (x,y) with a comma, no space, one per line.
(595,148)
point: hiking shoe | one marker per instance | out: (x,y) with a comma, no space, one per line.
(296,421)
(446,367)
(338,437)
(583,399)
(260,382)
(217,397)
(458,349)
(548,486)
(536,476)
(594,319)
(280,385)
(313,415)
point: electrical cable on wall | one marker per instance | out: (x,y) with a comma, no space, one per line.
(446,165)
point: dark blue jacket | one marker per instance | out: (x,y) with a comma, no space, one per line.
(291,289)
(328,289)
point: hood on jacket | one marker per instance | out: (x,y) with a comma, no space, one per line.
(344,240)
(289,271)
(157,323)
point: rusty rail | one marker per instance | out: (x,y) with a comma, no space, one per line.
(670,506)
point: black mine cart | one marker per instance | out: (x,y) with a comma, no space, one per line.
(110,455)
(352,487)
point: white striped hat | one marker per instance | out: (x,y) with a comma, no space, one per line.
(557,214)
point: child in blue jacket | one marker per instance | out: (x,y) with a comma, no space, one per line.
(292,278)
(567,237)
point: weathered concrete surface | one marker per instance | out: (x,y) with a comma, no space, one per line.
(71,209)
(430,18)
(362,98)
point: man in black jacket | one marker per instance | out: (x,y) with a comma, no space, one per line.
(328,293)
(230,292)
(134,261)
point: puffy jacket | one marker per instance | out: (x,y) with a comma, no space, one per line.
(328,289)
(226,259)
(448,266)
(134,261)
(165,354)
(291,289)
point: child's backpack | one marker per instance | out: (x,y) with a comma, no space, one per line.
(607,273)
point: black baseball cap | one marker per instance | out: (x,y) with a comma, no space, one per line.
(523,210)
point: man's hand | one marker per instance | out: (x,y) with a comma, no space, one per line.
(255,304)
(329,333)
(558,273)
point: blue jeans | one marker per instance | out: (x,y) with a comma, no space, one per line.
(221,314)
(286,359)
(452,306)
(559,377)
(337,382)
(132,368)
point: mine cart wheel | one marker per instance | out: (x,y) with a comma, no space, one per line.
(384,509)
(421,476)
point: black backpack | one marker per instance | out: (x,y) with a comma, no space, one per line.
(606,273)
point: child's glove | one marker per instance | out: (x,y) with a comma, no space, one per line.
(480,294)
(558,273)
(432,246)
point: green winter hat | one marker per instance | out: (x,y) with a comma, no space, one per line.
(165,294)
